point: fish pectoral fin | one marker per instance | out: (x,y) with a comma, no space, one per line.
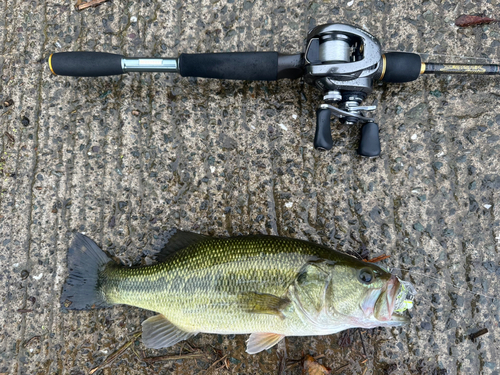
(259,341)
(158,332)
(263,303)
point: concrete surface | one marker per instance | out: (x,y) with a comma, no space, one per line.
(122,158)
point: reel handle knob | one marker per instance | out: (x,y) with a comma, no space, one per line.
(323,135)
(369,145)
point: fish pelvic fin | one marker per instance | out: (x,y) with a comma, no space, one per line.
(259,341)
(158,332)
(177,241)
(263,303)
(85,261)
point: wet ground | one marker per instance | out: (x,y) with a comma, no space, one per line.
(124,158)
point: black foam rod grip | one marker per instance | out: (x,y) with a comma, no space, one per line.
(85,64)
(250,66)
(369,145)
(401,67)
(323,135)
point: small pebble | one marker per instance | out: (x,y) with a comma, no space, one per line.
(133,19)
(25,121)
(135,112)
(24,274)
(8,103)
(418,227)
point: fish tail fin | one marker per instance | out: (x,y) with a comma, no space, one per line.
(85,261)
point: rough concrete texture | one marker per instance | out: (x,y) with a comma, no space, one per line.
(123,158)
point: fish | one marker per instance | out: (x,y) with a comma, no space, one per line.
(267,286)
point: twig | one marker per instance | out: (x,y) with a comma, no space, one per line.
(140,357)
(27,342)
(282,357)
(362,343)
(340,369)
(377,259)
(281,363)
(92,3)
(116,354)
(345,338)
(150,360)
(213,364)
(474,336)
(11,137)
(24,311)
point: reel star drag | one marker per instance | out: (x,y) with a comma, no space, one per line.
(341,60)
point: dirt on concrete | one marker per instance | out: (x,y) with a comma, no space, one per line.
(124,158)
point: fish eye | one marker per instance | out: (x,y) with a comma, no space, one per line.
(365,276)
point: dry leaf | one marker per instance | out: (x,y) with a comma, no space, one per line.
(467,20)
(311,367)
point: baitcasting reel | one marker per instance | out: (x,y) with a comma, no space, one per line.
(340,60)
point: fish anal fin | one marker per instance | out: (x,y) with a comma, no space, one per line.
(179,240)
(263,303)
(158,332)
(259,341)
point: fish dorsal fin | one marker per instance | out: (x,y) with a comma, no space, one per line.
(259,341)
(158,332)
(178,241)
(263,303)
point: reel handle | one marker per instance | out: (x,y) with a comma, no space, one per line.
(323,135)
(369,144)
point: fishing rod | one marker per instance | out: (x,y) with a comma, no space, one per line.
(341,60)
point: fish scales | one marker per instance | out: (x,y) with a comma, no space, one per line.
(200,286)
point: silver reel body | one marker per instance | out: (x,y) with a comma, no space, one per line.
(342,61)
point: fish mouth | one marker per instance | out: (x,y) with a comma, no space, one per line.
(384,307)
(387,304)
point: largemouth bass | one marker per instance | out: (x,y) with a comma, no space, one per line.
(268,287)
